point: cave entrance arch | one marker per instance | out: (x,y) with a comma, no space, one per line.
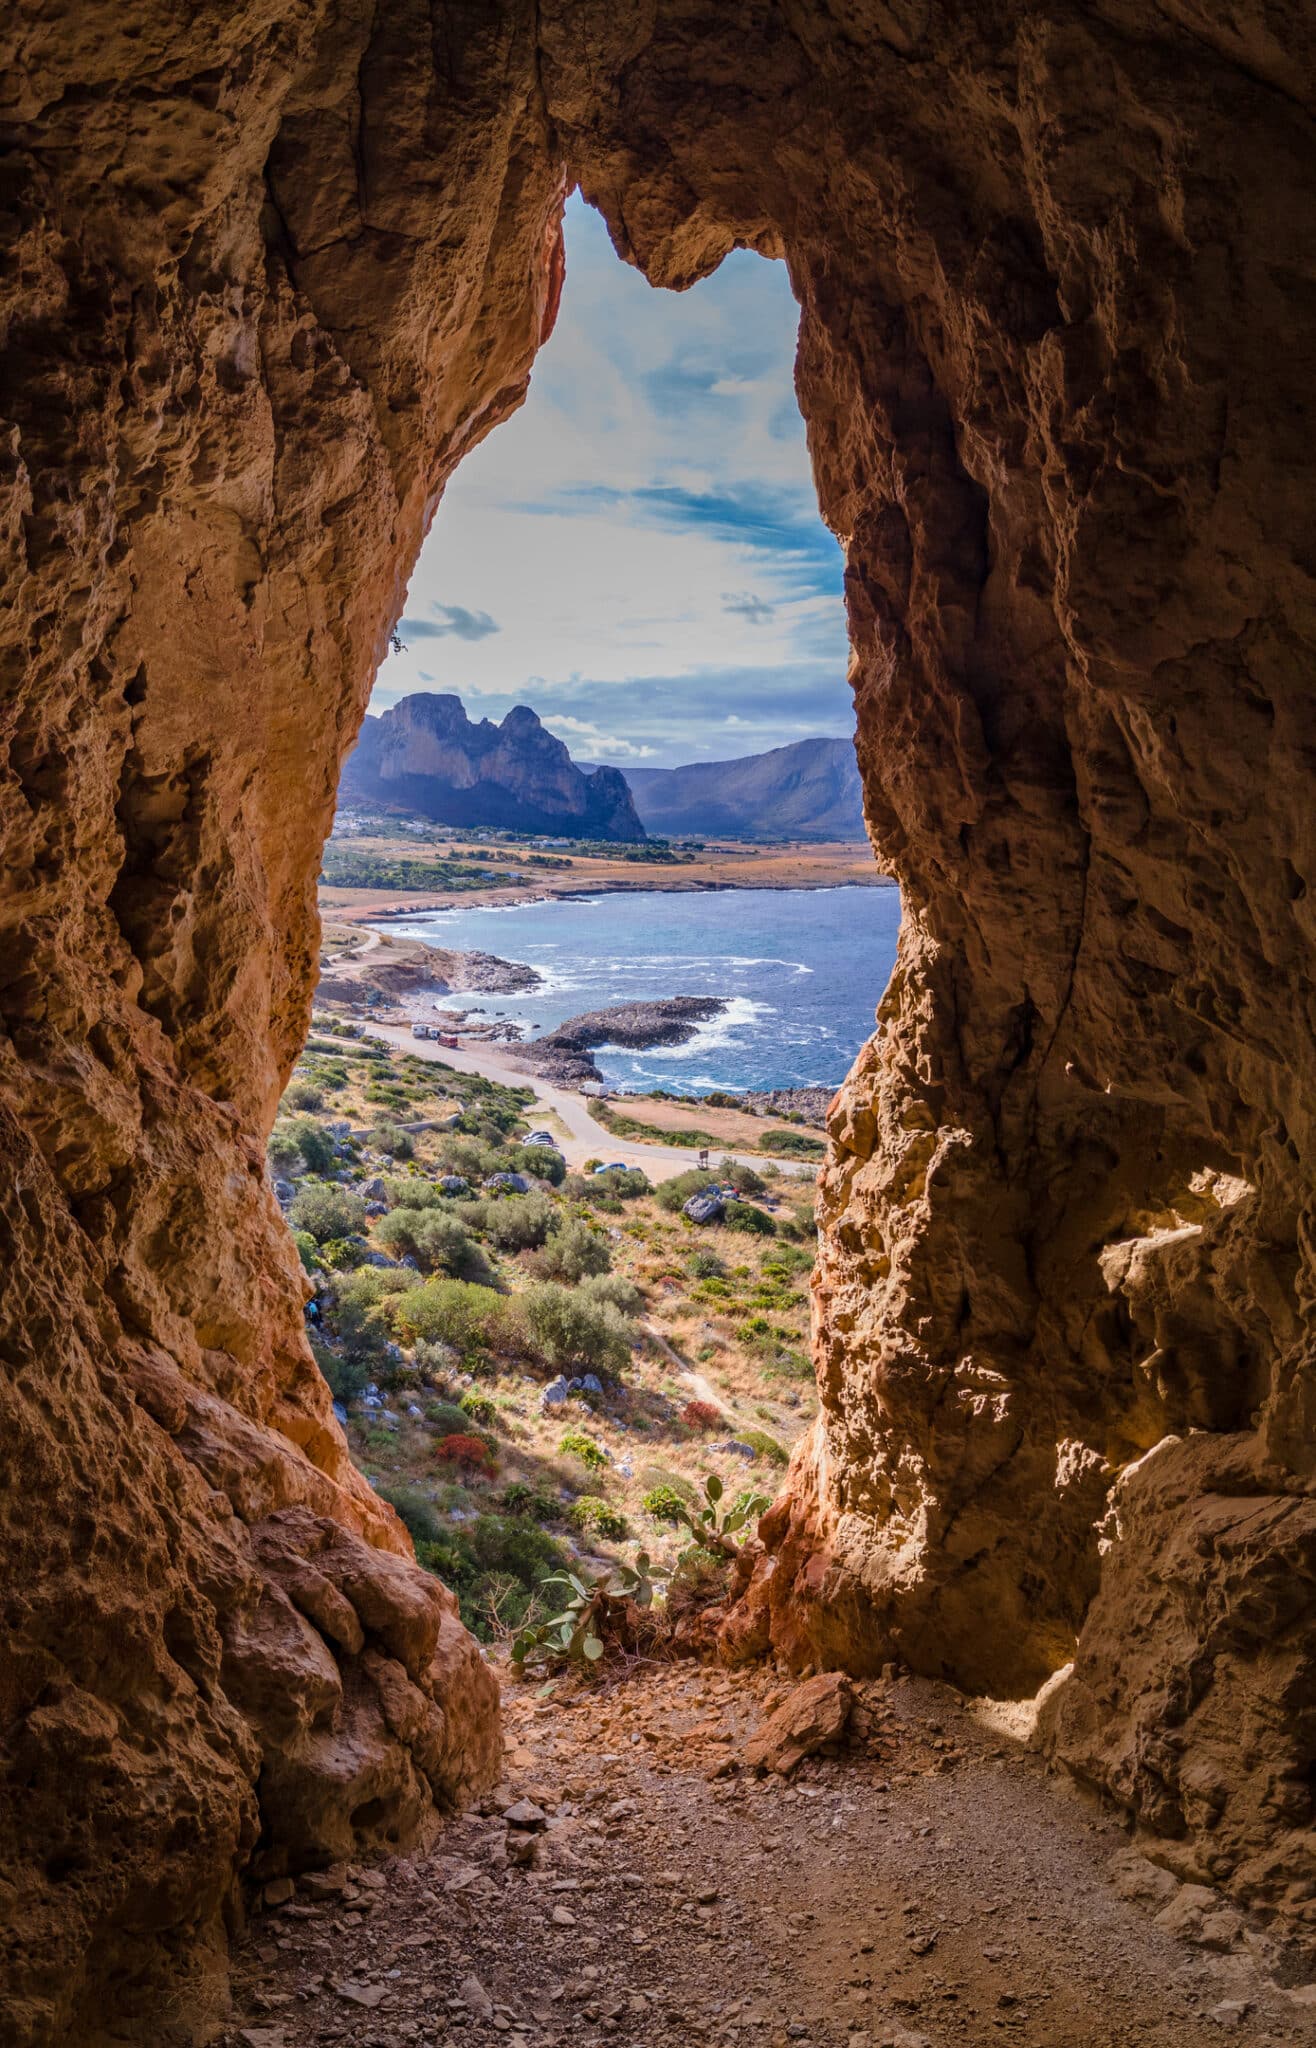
(271,277)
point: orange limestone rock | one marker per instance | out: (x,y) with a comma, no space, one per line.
(271,271)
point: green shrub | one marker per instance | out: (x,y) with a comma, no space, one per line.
(391,1138)
(566,1329)
(283,1152)
(362,1331)
(479,1408)
(478,1559)
(614,1289)
(575,1444)
(452,1312)
(744,1216)
(765,1446)
(326,1212)
(706,1266)
(793,1144)
(573,1253)
(674,1194)
(315,1144)
(348,1378)
(369,1284)
(542,1162)
(664,1504)
(307,1250)
(743,1178)
(515,1223)
(468,1156)
(446,1417)
(592,1513)
(416,1511)
(522,1499)
(439,1242)
(787,1261)
(302,1095)
(343,1254)
(412,1191)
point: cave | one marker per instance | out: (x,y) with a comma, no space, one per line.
(271,272)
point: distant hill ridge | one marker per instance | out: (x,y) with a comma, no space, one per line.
(808,790)
(425,757)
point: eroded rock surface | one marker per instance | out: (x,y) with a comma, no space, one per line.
(271,271)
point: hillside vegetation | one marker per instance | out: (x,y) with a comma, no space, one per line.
(535,1367)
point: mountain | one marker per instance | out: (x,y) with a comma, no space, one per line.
(810,790)
(427,758)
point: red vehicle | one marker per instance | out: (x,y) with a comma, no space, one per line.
(450,1042)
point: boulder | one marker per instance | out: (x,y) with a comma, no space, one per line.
(707,1207)
(812,1714)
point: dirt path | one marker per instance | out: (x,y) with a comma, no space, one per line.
(929,1888)
(701,1389)
(582,1138)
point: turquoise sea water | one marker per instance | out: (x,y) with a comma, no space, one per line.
(802,969)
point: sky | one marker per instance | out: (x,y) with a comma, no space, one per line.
(637,553)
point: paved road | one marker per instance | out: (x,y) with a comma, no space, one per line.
(581,1138)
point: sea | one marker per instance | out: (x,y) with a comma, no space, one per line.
(802,971)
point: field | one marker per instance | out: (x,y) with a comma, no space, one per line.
(365,875)
(441,1317)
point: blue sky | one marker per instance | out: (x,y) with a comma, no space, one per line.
(637,553)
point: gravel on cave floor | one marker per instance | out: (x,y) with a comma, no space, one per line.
(930,1887)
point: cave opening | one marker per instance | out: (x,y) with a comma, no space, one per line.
(270,283)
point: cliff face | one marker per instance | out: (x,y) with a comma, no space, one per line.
(272,270)
(809,790)
(426,756)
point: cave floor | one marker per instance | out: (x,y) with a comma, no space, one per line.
(930,1887)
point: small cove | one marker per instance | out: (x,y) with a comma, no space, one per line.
(801,970)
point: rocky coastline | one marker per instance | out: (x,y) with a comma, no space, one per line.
(566,1054)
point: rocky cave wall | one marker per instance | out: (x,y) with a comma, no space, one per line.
(271,271)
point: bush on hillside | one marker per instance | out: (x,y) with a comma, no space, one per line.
(607,1190)
(307,1250)
(302,1095)
(572,1253)
(541,1162)
(674,1194)
(327,1212)
(594,1516)
(314,1142)
(515,1223)
(393,1140)
(489,1560)
(575,1444)
(416,1511)
(743,1178)
(520,1498)
(348,1378)
(479,1408)
(568,1331)
(439,1243)
(744,1216)
(704,1265)
(615,1289)
(701,1415)
(765,1446)
(664,1504)
(793,1144)
(456,1312)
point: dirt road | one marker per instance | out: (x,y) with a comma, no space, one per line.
(580,1137)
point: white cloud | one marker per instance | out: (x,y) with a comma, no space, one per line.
(647,516)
